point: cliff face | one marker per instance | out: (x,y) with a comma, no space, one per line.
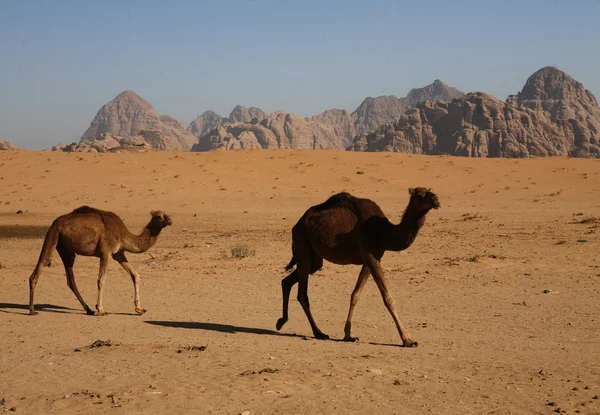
(553,115)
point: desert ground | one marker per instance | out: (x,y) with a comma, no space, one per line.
(501,288)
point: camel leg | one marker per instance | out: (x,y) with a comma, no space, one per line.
(286,286)
(360,284)
(304,302)
(33,279)
(101,274)
(377,272)
(135,277)
(68,259)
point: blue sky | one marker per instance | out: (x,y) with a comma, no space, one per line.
(60,60)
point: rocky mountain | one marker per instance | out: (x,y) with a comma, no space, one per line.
(129,115)
(553,115)
(209,120)
(437,91)
(333,128)
(374,112)
(243,114)
(7,146)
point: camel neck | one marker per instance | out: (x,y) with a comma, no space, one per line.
(142,242)
(401,236)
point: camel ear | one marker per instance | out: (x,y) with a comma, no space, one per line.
(153,213)
(411,191)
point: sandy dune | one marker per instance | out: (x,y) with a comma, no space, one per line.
(501,288)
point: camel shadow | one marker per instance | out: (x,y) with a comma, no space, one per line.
(222,328)
(228,328)
(38,307)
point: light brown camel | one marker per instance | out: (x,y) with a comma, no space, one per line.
(348,230)
(92,232)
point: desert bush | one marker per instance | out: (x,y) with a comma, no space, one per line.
(242,251)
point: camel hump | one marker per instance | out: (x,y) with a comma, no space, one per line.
(340,198)
(86,209)
(343,200)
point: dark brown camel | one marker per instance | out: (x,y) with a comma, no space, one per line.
(91,232)
(348,230)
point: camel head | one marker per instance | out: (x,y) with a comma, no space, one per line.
(160,219)
(423,199)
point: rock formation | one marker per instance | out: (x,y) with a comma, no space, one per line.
(278,130)
(335,128)
(128,115)
(7,146)
(107,143)
(206,122)
(437,91)
(243,114)
(552,116)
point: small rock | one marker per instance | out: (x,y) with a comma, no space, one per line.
(245,413)
(595,397)
(551,403)
(13,409)
(192,349)
(19,212)
(376,371)
(268,370)
(547,291)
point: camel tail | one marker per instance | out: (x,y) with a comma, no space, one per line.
(50,243)
(291,264)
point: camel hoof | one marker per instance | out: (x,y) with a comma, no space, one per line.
(321,336)
(280,323)
(33,313)
(350,339)
(410,344)
(140,311)
(100,313)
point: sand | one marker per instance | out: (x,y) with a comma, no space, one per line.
(501,288)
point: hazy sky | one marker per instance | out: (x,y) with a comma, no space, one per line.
(60,61)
